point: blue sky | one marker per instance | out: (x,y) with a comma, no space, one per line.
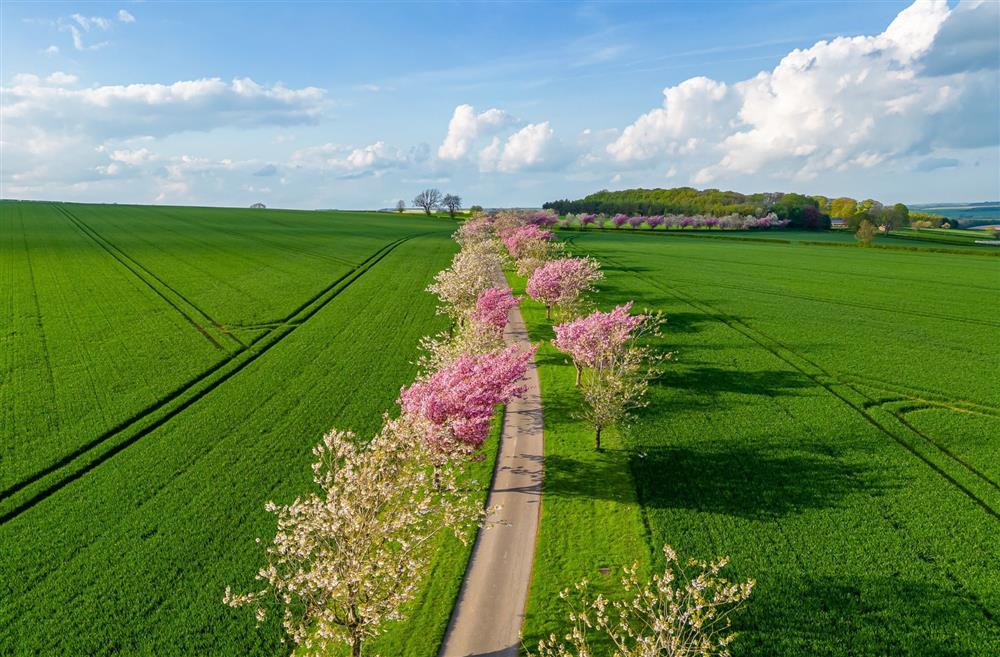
(360,104)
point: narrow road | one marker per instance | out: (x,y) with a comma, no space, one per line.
(488,614)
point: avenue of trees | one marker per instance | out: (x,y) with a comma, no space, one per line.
(349,554)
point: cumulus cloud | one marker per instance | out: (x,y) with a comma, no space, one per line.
(532,147)
(466,126)
(372,159)
(51,50)
(61,79)
(116,111)
(125,17)
(928,81)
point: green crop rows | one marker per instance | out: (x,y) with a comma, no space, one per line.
(167,371)
(831,423)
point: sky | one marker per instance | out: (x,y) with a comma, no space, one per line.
(358,105)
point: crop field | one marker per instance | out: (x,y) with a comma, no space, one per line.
(830,421)
(165,372)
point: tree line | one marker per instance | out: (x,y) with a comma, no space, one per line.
(801,211)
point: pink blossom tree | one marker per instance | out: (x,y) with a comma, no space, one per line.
(617,369)
(492,308)
(592,341)
(457,402)
(520,241)
(563,282)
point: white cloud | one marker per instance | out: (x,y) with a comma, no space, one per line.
(852,102)
(92,21)
(350,161)
(466,126)
(125,17)
(61,79)
(51,50)
(531,147)
(78,39)
(116,111)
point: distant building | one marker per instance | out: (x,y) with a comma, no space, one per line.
(837,222)
(258,206)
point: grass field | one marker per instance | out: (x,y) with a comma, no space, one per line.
(166,372)
(904,239)
(830,422)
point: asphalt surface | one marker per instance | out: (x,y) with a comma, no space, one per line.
(489,612)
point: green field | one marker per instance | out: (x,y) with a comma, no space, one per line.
(830,422)
(165,372)
(900,240)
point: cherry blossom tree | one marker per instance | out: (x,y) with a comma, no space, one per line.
(563,282)
(613,371)
(474,230)
(457,402)
(348,557)
(522,241)
(473,269)
(481,334)
(683,612)
(531,247)
(492,308)
(593,341)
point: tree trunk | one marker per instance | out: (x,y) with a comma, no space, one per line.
(597,438)
(579,373)
(356,648)
(548,312)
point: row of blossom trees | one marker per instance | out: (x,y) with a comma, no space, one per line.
(612,368)
(350,554)
(672,221)
(683,612)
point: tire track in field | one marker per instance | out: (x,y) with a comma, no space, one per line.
(124,259)
(761,339)
(931,397)
(165,409)
(38,315)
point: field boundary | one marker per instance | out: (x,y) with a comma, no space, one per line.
(82,460)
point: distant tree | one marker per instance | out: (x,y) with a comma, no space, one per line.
(453,203)
(429,199)
(866,233)
(400,206)
(476,208)
(801,212)
(843,207)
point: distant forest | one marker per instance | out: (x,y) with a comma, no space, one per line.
(802,211)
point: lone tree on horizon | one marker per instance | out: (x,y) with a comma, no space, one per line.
(428,199)
(400,206)
(453,202)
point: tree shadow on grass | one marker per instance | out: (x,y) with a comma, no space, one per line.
(708,380)
(879,614)
(756,483)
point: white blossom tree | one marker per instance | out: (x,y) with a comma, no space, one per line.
(683,612)
(345,559)
(473,270)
